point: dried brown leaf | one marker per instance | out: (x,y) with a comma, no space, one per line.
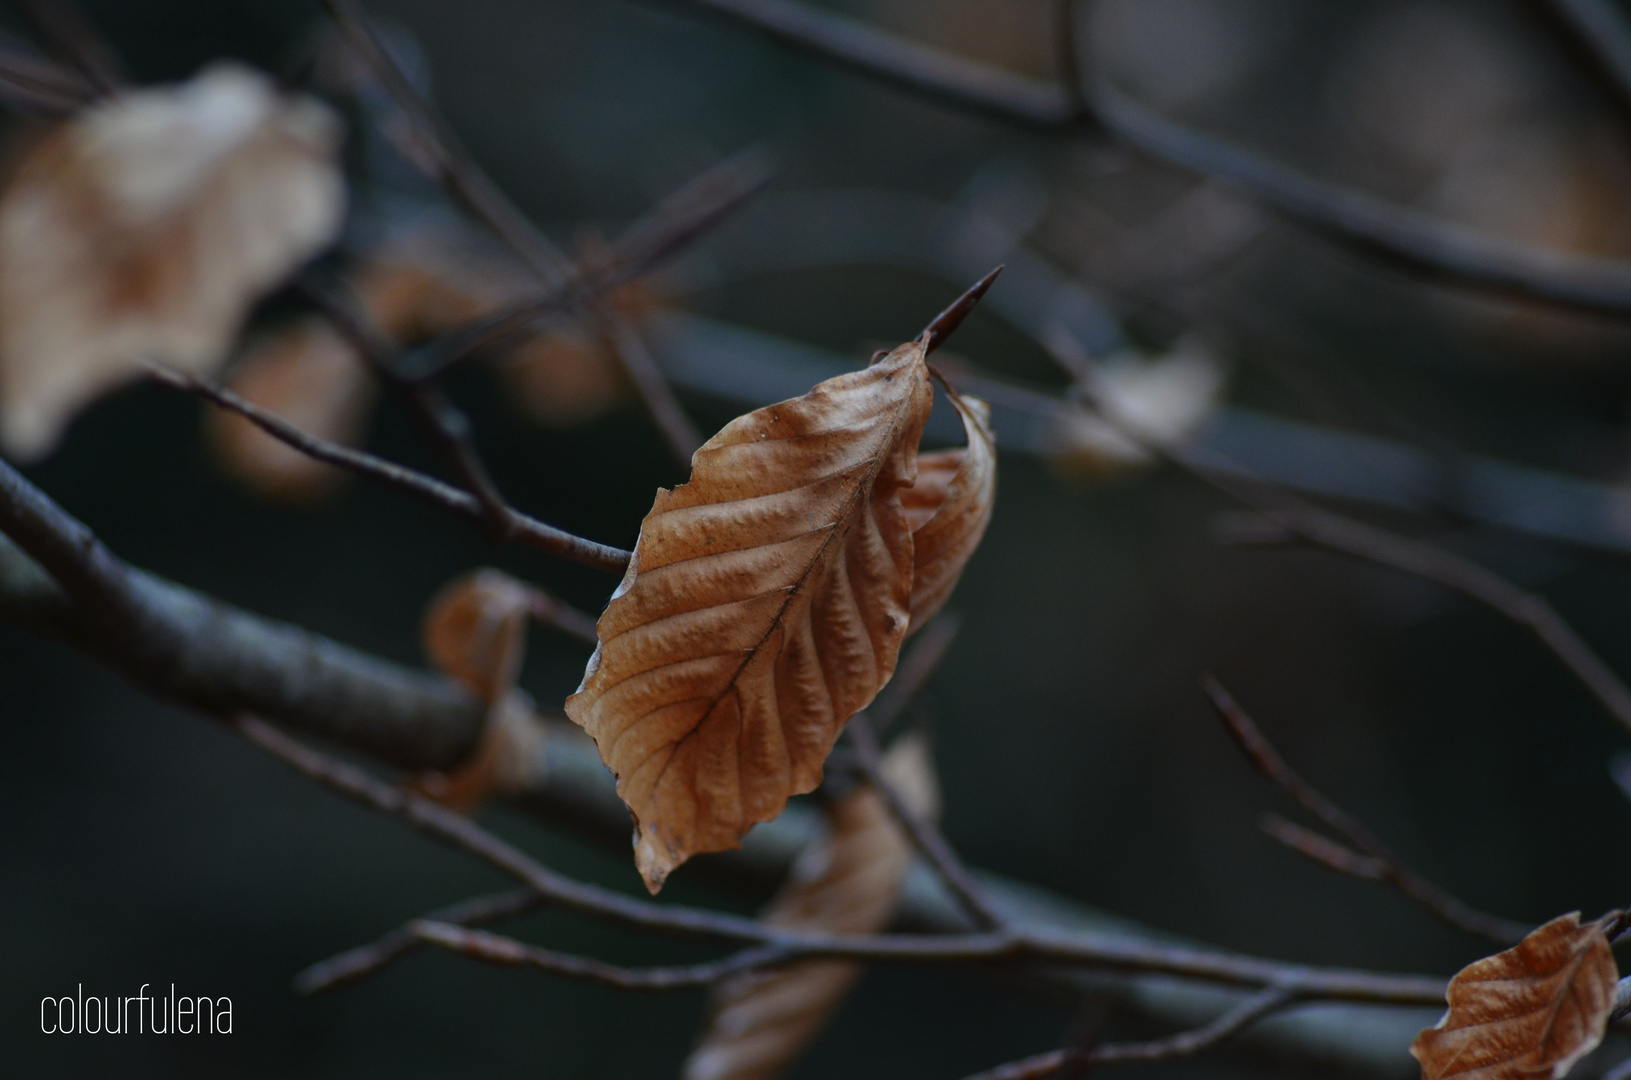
(476,631)
(145,228)
(308,375)
(504,762)
(849,883)
(764,606)
(1530,1011)
(949,508)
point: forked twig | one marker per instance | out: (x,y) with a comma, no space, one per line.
(456,169)
(525,529)
(1419,241)
(1385,864)
(1012,946)
(1183,1044)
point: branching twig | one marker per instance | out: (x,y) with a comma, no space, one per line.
(1268,761)
(1013,946)
(523,528)
(507,952)
(364,960)
(1404,236)
(1184,1044)
(1534,613)
(458,171)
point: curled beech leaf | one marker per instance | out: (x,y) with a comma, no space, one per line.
(758,1023)
(949,508)
(1531,1011)
(144,228)
(764,606)
(476,631)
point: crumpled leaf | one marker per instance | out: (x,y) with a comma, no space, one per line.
(1531,1011)
(145,228)
(949,508)
(765,605)
(848,883)
(310,376)
(476,631)
(1162,401)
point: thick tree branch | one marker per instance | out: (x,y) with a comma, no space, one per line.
(181,646)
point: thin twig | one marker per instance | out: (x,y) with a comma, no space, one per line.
(524,529)
(925,655)
(355,964)
(457,170)
(1268,761)
(67,30)
(675,221)
(1326,852)
(1404,236)
(507,952)
(1016,946)
(551,610)
(1184,1044)
(1298,520)
(1534,613)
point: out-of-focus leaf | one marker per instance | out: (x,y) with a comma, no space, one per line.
(145,228)
(759,1023)
(1158,402)
(949,508)
(476,631)
(765,605)
(1531,1011)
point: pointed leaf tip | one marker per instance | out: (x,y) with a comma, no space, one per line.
(947,322)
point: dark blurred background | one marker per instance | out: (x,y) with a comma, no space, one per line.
(140,844)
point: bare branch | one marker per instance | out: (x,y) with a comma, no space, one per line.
(1534,613)
(507,952)
(1312,845)
(1268,761)
(182,646)
(521,527)
(1404,236)
(1184,1044)
(1013,946)
(358,963)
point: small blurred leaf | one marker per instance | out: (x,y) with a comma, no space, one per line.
(476,631)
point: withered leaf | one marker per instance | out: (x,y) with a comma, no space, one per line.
(1533,1010)
(145,228)
(310,376)
(504,762)
(759,1023)
(476,631)
(949,508)
(764,606)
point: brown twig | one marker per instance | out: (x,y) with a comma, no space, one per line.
(507,952)
(675,221)
(66,29)
(1014,946)
(1327,852)
(1268,761)
(1534,613)
(1184,1044)
(522,528)
(457,170)
(355,964)
(1414,240)
(551,610)
(1297,520)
